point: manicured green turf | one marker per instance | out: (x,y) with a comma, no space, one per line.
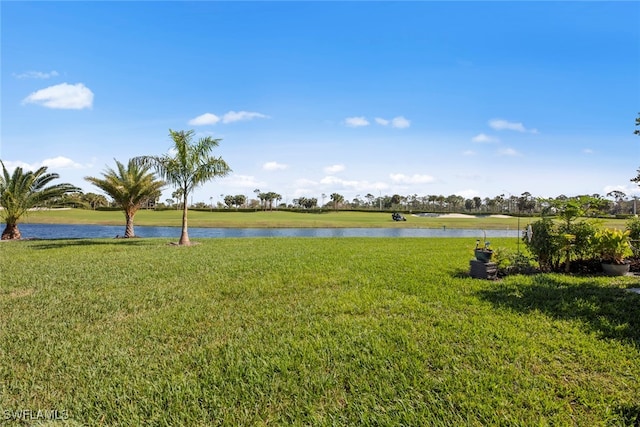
(296,331)
(277,219)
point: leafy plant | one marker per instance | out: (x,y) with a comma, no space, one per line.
(613,245)
(484,247)
(510,262)
(483,252)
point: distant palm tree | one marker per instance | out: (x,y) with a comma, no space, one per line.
(178,194)
(131,187)
(189,166)
(22,191)
(337,199)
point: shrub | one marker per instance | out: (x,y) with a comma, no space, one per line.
(544,244)
(583,232)
(556,244)
(510,262)
(633,225)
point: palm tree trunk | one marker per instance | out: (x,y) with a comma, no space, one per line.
(184,235)
(128,232)
(11,232)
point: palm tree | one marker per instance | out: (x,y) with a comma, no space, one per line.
(337,199)
(22,191)
(190,166)
(177,195)
(131,187)
(95,200)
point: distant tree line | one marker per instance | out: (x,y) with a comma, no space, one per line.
(613,203)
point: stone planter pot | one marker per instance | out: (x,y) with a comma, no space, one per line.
(615,269)
(483,255)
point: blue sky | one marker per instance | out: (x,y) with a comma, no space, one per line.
(311,98)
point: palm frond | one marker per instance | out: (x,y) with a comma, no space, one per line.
(21,191)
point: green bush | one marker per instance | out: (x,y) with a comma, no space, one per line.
(544,244)
(583,233)
(513,262)
(558,244)
(633,225)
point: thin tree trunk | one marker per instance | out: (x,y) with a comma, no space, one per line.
(567,266)
(128,232)
(184,235)
(11,232)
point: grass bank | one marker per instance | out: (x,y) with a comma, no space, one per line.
(278,219)
(309,332)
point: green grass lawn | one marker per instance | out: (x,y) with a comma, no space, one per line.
(309,331)
(278,219)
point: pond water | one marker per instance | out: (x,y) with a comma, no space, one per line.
(81,231)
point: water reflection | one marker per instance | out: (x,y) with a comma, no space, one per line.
(68,231)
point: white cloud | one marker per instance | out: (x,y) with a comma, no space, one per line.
(336,183)
(243,181)
(468,153)
(62,96)
(61,162)
(629,190)
(304,182)
(397,122)
(484,138)
(410,179)
(36,75)
(334,169)
(52,164)
(400,122)
(467,194)
(302,192)
(355,122)
(274,166)
(508,152)
(229,117)
(12,165)
(499,124)
(237,116)
(205,119)
(332,180)
(587,151)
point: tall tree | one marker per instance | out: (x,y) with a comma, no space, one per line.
(239,200)
(337,199)
(229,200)
(22,191)
(131,187)
(370,198)
(189,165)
